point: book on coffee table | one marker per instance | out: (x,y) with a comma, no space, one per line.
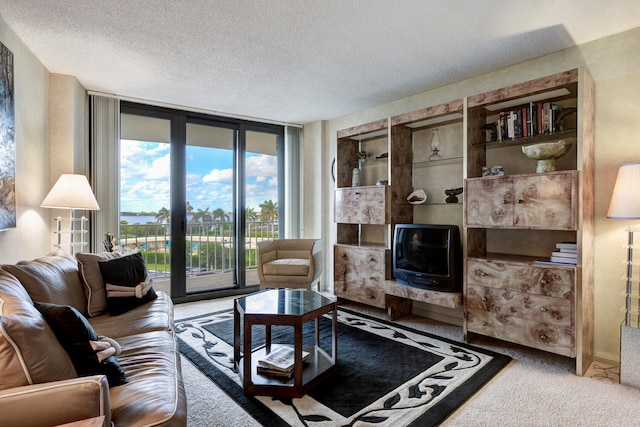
(279,362)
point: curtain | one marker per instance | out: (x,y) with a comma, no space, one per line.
(293,177)
(104,146)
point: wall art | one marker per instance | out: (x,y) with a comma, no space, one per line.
(7,142)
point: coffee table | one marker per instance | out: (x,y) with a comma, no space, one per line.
(286,307)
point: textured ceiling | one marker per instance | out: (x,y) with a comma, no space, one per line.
(298,61)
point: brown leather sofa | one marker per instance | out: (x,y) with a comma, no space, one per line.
(39,386)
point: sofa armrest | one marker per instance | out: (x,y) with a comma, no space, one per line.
(56,402)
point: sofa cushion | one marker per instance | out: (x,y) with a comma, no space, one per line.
(91,277)
(75,333)
(156,315)
(286,267)
(127,282)
(29,350)
(53,278)
(151,361)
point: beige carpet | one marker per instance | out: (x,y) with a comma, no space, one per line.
(535,389)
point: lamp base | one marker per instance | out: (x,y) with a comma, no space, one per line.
(630,356)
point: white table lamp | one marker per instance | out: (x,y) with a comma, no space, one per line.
(625,204)
(73,192)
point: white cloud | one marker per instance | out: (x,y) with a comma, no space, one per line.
(219,176)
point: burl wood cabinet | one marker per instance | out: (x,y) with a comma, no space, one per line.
(513,222)
(360,273)
(363,205)
(522,302)
(546,201)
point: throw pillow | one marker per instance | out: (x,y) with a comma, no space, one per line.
(76,336)
(91,276)
(30,352)
(127,283)
(53,278)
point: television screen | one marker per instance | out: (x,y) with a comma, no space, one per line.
(428,256)
(424,250)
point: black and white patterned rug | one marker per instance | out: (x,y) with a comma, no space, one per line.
(388,374)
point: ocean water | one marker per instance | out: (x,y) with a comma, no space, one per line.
(143,219)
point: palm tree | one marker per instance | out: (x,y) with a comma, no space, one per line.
(219,215)
(251,215)
(163,215)
(269,212)
(202,215)
(189,208)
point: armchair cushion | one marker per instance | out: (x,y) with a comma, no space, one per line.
(31,354)
(53,278)
(286,267)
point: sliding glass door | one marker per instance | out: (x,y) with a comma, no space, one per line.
(209,205)
(197,193)
(262,180)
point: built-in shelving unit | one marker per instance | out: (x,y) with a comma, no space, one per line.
(508,222)
(513,220)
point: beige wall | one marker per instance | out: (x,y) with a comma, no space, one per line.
(68,118)
(50,120)
(614,63)
(31,89)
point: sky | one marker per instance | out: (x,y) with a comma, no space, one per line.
(144,177)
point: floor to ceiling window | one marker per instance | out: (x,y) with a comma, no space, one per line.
(196,195)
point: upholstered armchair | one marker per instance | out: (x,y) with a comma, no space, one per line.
(289,263)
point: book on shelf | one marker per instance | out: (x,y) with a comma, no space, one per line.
(567,255)
(562,260)
(279,362)
(551,261)
(567,247)
(263,370)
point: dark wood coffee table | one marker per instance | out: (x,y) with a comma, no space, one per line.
(287,307)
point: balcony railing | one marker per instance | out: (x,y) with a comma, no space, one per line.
(210,245)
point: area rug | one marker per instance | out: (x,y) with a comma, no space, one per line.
(388,374)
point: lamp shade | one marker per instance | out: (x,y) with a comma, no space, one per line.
(625,201)
(71,191)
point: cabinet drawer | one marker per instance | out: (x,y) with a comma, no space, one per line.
(539,308)
(543,336)
(522,277)
(363,205)
(360,292)
(355,264)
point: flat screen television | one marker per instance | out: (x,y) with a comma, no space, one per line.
(428,256)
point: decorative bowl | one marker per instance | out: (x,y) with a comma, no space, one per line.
(417,197)
(546,154)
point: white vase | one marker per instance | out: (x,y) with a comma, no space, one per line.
(355,177)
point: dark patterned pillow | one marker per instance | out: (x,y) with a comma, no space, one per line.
(75,334)
(127,283)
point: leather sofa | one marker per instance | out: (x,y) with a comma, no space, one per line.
(39,387)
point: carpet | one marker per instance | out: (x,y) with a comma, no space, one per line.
(388,374)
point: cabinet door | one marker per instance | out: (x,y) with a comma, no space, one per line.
(489,202)
(545,201)
(362,205)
